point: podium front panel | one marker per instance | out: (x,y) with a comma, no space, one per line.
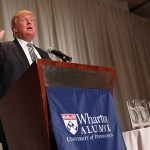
(74,77)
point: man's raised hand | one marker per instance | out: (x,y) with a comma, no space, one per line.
(1,34)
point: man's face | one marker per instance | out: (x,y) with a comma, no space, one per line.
(25,27)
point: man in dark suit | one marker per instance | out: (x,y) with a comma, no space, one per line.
(15,57)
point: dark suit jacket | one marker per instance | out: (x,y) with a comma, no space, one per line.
(13,63)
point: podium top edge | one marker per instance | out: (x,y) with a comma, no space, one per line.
(74,65)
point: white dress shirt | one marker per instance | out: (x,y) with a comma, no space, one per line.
(26,51)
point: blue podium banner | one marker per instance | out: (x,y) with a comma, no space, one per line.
(84,119)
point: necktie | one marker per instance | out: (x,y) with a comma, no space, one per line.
(31,51)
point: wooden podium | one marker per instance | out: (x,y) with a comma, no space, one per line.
(24,111)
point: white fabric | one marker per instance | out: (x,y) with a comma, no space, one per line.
(137,139)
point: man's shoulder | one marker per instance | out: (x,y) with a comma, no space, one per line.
(7,46)
(6,43)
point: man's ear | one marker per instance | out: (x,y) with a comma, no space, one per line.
(15,29)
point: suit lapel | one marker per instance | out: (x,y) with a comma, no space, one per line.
(20,53)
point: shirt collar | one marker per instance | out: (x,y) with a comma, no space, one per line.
(23,43)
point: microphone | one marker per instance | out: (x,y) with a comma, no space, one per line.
(59,54)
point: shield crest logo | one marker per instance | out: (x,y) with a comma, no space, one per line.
(70,122)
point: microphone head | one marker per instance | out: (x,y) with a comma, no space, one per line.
(49,50)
